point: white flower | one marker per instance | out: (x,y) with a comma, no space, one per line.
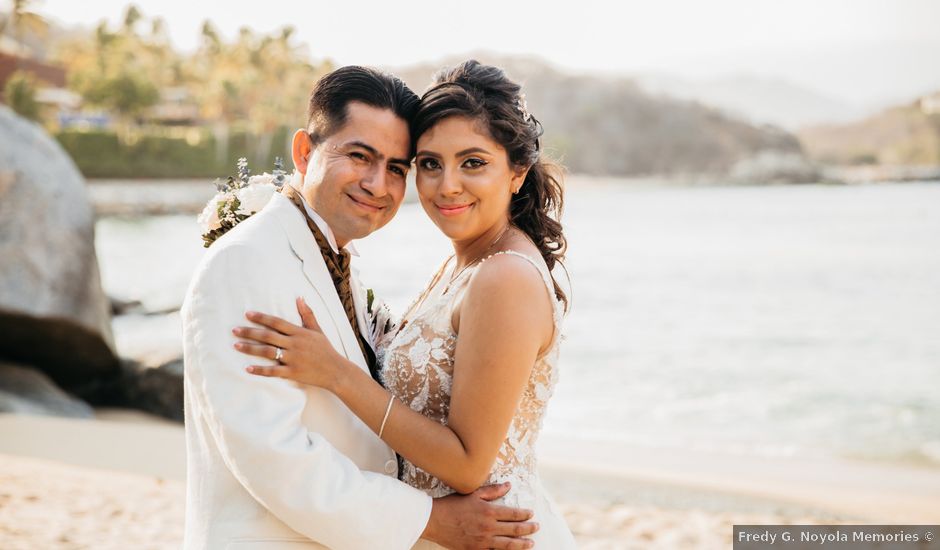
(209,218)
(254,196)
(261,179)
(249,193)
(382,324)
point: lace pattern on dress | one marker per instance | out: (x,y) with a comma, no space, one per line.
(417,366)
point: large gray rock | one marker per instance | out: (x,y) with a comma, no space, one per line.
(24,390)
(769,166)
(157,390)
(53,312)
(154,389)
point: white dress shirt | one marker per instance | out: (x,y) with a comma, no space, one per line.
(322,225)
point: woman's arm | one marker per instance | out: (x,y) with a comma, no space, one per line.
(505,318)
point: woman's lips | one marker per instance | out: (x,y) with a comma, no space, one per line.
(453,210)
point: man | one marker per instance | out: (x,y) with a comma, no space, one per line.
(275,465)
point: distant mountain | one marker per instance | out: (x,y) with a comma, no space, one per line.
(757,99)
(611,126)
(904,135)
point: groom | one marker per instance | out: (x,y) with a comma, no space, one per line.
(275,465)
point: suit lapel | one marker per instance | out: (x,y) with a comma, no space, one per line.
(316,272)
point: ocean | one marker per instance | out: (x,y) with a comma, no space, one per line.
(777,321)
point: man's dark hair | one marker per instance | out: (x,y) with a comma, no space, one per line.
(331,95)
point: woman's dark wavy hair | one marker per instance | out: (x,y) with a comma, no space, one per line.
(484,93)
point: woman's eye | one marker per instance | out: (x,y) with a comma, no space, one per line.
(474,163)
(428,164)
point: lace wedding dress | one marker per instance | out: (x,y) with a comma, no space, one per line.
(417,362)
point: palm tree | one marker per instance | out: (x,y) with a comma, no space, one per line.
(131,16)
(118,70)
(22,19)
(215,83)
(286,77)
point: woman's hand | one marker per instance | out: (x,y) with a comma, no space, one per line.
(306,355)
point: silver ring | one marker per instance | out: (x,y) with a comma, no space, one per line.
(279,354)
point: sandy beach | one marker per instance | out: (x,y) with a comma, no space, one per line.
(118,482)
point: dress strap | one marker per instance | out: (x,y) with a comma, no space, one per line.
(558,311)
(543,271)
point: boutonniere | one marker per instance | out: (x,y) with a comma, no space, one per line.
(238,197)
(381,321)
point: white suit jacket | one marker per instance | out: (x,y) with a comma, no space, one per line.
(270,463)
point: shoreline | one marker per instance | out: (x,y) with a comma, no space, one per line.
(122,197)
(581,469)
(118,481)
(881,493)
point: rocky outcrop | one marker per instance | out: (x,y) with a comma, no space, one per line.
(24,390)
(53,313)
(156,390)
(774,167)
(906,136)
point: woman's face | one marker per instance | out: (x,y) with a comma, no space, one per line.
(464,178)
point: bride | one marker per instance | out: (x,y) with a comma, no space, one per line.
(470,368)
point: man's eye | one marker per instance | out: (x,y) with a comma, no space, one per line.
(428,164)
(397,170)
(474,163)
(358,156)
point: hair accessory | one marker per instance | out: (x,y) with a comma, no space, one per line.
(523,107)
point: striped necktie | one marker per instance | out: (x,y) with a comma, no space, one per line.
(338,266)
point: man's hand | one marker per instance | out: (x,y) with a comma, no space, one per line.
(465,522)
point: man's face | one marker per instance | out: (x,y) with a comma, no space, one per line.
(355,178)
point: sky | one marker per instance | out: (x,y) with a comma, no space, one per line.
(861,51)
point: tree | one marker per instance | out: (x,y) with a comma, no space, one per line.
(121,71)
(22,20)
(20,95)
(257,82)
(126,94)
(131,16)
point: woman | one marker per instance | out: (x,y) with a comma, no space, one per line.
(472,364)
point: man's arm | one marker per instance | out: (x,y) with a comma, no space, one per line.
(256,424)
